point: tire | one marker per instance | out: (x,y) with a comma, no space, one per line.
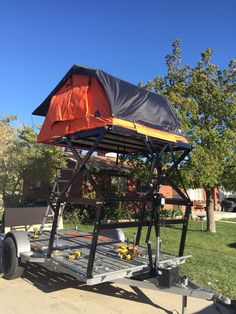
(10,263)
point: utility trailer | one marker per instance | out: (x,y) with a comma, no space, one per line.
(93,111)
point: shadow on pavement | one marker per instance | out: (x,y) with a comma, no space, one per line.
(49,281)
(216,309)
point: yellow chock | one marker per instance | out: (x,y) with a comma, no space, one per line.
(36,233)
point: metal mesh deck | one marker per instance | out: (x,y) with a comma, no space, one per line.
(107,265)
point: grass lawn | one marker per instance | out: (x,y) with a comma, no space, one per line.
(213,255)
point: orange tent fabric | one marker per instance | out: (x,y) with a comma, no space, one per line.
(88,98)
(79,104)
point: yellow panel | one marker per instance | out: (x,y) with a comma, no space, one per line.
(141,129)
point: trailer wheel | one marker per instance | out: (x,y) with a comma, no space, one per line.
(10,262)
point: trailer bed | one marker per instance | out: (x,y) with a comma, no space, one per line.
(107,265)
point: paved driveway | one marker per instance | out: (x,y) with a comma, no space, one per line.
(42,291)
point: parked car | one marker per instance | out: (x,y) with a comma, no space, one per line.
(229,204)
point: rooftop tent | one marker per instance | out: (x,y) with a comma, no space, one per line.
(87,98)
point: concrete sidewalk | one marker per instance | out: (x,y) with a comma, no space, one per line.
(224,215)
(42,291)
(218,215)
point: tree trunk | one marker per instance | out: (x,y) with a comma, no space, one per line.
(211,225)
(15,186)
(4,191)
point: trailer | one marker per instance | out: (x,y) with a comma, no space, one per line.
(93,111)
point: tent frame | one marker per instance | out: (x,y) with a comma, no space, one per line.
(154,150)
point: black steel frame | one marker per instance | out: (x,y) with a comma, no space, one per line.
(133,143)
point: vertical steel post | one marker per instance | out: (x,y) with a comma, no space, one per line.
(184,304)
(96,231)
(140,227)
(184,229)
(154,190)
(54,228)
(157,213)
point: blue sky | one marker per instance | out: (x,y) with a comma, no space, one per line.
(41,40)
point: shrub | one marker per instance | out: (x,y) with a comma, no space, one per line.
(171,213)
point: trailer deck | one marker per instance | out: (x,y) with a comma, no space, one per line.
(107,265)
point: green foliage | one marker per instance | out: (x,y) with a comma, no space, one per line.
(22,159)
(204,99)
(113,211)
(138,167)
(72,218)
(9,157)
(171,213)
(40,160)
(86,215)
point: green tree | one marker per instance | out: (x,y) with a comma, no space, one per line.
(204,99)
(40,161)
(7,165)
(22,159)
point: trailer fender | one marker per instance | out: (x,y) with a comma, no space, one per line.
(21,241)
(116,234)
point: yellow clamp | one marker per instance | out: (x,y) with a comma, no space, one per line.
(78,254)
(36,233)
(74,255)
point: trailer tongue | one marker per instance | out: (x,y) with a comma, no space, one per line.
(95,112)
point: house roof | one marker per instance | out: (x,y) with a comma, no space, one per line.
(105,164)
